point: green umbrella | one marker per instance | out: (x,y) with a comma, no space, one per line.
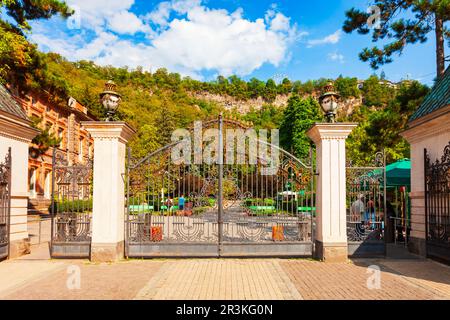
(398,174)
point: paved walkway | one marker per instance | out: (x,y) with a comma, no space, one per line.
(268,279)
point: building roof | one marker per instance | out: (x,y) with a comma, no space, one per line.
(9,105)
(439,97)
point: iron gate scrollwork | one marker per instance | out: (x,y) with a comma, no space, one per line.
(5,205)
(71,207)
(366,207)
(220,208)
(437,205)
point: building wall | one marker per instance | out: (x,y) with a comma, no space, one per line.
(64,123)
(16,134)
(432,135)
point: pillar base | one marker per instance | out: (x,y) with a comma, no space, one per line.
(18,248)
(417,246)
(331,252)
(105,252)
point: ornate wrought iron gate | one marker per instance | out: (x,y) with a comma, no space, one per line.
(366,208)
(219,209)
(5,205)
(71,208)
(437,206)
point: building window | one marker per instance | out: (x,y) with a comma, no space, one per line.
(49,126)
(80,150)
(47,185)
(61,137)
(32,182)
(90,150)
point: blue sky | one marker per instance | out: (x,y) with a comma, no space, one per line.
(297,39)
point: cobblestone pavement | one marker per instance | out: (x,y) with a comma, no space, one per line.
(266,279)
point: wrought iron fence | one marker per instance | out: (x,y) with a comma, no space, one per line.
(71,207)
(366,207)
(216,206)
(5,205)
(437,205)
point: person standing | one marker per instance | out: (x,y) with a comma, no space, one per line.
(370,214)
(181,201)
(358,209)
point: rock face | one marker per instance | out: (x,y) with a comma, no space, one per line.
(244,106)
(349,105)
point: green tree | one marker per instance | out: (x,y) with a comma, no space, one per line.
(347,87)
(270,91)
(146,141)
(380,129)
(376,93)
(46,139)
(18,57)
(299,117)
(256,88)
(285,86)
(402,22)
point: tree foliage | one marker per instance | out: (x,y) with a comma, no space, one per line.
(401,22)
(298,118)
(379,129)
(18,57)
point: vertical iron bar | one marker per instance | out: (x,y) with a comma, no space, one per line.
(8,199)
(384,199)
(127,210)
(53,201)
(220,195)
(425,173)
(311,200)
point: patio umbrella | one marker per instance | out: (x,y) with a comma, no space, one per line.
(398,174)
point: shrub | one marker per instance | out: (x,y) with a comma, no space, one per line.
(78,206)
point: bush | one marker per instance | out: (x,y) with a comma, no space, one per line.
(78,206)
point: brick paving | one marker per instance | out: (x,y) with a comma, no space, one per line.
(220,279)
(425,274)
(348,281)
(98,282)
(228,279)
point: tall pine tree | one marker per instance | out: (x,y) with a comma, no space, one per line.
(401,22)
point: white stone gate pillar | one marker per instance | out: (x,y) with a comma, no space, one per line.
(110,139)
(331,220)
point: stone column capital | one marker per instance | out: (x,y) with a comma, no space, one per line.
(330,131)
(109,130)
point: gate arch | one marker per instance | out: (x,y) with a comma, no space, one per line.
(219,209)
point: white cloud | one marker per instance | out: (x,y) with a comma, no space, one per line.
(331,39)
(126,22)
(114,15)
(160,16)
(280,23)
(195,39)
(335,56)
